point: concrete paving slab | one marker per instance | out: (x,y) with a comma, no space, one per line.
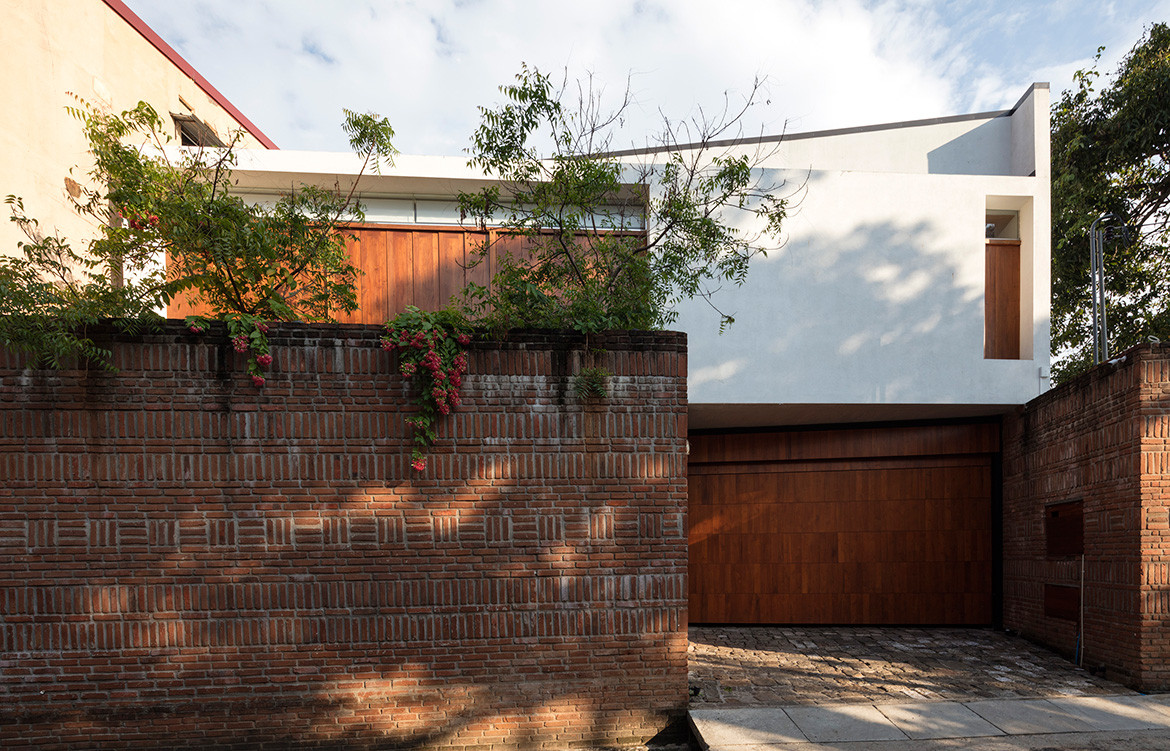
(1159,702)
(1028,716)
(1115,712)
(1127,740)
(944,719)
(722,728)
(844,722)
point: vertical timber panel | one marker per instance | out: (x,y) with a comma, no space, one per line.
(452,259)
(373,304)
(404,265)
(1001,336)
(426,270)
(480,268)
(400,268)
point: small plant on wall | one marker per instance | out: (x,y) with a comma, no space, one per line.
(591,383)
(432,355)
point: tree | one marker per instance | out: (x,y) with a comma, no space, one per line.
(248,264)
(1111,153)
(591,238)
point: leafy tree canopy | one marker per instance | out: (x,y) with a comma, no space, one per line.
(248,264)
(1111,153)
(590,238)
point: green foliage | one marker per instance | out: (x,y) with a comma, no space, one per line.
(369,137)
(1111,153)
(431,353)
(570,249)
(591,383)
(277,264)
(247,264)
(50,296)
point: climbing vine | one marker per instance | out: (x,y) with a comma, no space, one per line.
(432,355)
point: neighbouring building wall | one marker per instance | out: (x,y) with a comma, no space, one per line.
(1087,471)
(189,561)
(88,49)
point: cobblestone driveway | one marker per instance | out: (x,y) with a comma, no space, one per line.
(760,666)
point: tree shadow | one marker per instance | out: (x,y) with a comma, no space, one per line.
(803,665)
(227,567)
(857,308)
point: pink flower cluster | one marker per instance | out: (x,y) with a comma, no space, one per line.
(260,360)
(433,357)
(447,380)
(141,221)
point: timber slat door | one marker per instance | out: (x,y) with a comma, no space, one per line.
(843,527)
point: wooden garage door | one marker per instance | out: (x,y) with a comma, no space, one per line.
(851,526)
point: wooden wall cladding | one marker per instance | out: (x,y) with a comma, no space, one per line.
(842,526)
(1001,313)
(408,265)
(422,266)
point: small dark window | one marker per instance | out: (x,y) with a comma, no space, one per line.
(195,132)
(1064,528)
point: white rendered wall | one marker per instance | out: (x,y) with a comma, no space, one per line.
(878,295)
(876,298)
(963,147)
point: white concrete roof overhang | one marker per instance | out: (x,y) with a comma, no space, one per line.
(719,416)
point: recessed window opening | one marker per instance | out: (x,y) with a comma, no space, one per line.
(1003,225)
(1003,272)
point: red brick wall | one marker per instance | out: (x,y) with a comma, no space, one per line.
(188,561)
(1103,439)
(1153,519)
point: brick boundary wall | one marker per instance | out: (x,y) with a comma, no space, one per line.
(1102,439)
(187,561)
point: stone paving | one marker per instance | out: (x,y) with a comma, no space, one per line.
(785,666)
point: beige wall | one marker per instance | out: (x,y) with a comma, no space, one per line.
(51,48)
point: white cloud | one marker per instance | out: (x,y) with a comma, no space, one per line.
(292,65)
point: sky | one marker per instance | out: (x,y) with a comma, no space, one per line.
(427,65)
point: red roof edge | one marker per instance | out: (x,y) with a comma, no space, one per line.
(148,33)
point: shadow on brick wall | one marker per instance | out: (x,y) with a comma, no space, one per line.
(195,561)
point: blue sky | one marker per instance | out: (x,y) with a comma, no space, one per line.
(292,65)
